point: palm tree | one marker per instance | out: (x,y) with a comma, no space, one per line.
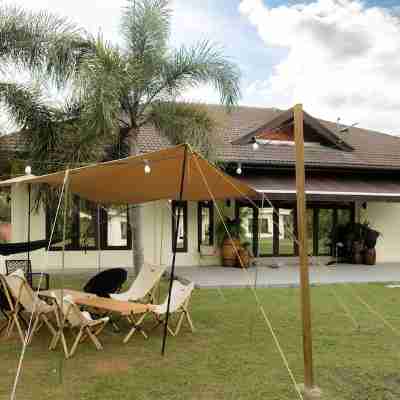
(122,89)
(48,47)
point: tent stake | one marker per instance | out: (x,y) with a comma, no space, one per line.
(302,237)
(175,243)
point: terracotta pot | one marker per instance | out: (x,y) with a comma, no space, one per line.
(229,253)
(244,258)
(370,257)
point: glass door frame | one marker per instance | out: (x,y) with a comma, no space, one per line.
(313,207)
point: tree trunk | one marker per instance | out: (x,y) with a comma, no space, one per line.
(135,213)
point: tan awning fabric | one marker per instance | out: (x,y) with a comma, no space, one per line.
(125,181)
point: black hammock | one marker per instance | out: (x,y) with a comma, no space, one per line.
(22,247)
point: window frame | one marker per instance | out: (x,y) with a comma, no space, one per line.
(210,206)
(75,239)
(174,205)
(313,207)
(104,232)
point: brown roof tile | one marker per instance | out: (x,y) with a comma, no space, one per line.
(371,149)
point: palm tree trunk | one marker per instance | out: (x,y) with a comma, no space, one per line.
(135,213)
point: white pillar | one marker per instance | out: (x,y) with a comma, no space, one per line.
(19,213)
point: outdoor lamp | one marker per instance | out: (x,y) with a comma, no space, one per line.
(255,144)
(147,168)
(239,169)
(28,170)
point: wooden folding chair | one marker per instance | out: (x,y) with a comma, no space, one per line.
(179,306)
(82,322)
(144,286)
(7,307)
(26,300)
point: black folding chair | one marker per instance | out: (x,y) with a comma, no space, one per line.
(26,266)
(105,283)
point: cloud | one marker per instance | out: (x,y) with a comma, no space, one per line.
(342,59)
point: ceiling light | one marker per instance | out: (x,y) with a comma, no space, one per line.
(255,145)
(28,170)
(147,168)
(239,169)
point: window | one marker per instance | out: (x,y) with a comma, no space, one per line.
(90,227)
(205,223)
(5,216)
(264,226)
(272,232)
(179,209)
(266,234)
(326,223)
(116,227)
(286,232)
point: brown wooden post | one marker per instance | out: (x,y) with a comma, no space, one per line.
(302,237)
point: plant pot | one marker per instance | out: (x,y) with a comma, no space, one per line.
(357,253)
(244,258)
(229,252)
(370,257)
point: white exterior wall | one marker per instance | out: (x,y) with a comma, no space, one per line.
(385,218)
(157,227)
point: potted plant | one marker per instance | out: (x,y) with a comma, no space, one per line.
(229,232)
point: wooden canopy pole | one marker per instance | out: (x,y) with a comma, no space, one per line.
(302,238)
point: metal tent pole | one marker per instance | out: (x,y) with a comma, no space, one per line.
(29,269)
(175,242)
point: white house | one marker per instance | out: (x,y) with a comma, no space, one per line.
(352,174)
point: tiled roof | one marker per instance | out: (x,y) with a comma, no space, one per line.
(371,149)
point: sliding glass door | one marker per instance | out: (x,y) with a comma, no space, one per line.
(273,232)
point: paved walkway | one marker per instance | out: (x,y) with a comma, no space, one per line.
(288,276)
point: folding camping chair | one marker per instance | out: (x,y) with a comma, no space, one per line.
(26,266)
(83,322)
(26,300)
(7,308)
(179,305)
(144,285)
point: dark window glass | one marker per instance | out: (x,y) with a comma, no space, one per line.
(88,232)
(179,208)
(5,216)
(286,232)
(89,227)
(205,221)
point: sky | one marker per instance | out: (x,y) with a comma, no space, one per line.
(340,58)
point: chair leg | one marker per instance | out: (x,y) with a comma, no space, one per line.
(94,339)
(136,327)
(76,342)
(33,330)
(48,324)
(189,320)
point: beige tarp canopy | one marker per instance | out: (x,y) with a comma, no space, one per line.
(124,181)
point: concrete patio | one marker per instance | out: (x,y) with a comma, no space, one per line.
(288,275)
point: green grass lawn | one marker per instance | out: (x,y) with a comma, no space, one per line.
(231,356)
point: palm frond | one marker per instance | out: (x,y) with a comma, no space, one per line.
(145,26)
(25,106)
(186,123)
(102,86)
(42,42)
(203,64)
